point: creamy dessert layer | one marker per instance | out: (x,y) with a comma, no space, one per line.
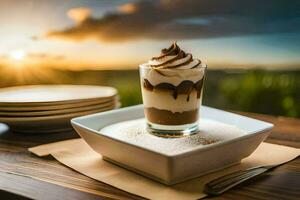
(172,86)
(164,100)
(172,76)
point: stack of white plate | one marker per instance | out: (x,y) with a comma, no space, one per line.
(49,108)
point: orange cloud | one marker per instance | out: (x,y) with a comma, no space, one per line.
(79,14)
(184,19)
(127,8)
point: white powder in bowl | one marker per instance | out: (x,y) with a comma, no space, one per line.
(134,132)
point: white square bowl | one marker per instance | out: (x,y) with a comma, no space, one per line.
(171,169)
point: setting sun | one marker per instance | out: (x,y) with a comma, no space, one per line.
(17,54)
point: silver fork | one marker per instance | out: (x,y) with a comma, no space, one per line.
(224,183)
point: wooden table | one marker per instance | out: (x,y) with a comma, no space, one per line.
(22,174)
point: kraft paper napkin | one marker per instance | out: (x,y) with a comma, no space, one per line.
(77,155)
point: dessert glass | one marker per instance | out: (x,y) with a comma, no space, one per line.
(172,98)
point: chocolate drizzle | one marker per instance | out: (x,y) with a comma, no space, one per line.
(171,55)
(185,87)
(174,62)
(174,49)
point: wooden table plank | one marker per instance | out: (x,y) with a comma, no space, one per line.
(15,158)
(281,183)
(284,181)
(35,189)
(286,130)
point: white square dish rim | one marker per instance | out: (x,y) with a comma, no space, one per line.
(76,122)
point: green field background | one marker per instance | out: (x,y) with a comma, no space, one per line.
(260,91)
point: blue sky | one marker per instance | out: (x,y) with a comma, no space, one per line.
(122,34)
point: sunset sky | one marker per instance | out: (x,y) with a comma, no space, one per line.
(120,34)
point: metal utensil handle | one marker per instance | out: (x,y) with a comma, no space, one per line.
(220,185)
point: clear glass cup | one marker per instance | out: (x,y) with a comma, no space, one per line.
(172,98)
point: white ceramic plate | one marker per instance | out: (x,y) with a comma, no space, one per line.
(32,108)
(55,112)
(171,168)
(3,128)
(53,119)
(53,94)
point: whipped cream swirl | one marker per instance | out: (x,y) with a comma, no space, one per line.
(173,66)
(174,58)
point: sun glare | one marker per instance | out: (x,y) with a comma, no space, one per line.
(17,54)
